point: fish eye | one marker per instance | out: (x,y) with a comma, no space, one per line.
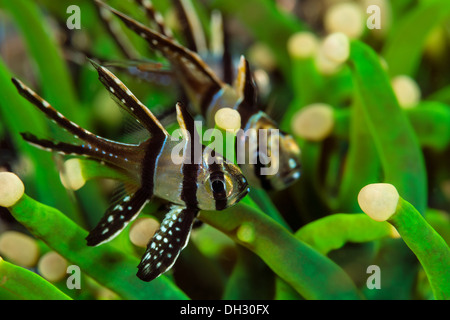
(218,186)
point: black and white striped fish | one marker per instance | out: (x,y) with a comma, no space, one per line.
(197,182)
(208,94)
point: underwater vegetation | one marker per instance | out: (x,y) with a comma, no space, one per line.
(363,87)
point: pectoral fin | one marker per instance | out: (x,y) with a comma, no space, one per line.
(118,216)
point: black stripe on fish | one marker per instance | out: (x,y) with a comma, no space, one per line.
(218,187)
(193,159)
(189,184)
(173,234)
(217,180)
(227,61)
(153,148)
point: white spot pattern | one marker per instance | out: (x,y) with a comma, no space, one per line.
(167,243)
(109,227)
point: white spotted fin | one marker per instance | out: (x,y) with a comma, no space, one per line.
(117,217)
(167,243)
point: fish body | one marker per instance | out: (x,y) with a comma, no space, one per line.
(192,181)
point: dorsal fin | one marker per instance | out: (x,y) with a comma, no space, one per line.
(186,122)
(245,85)
(125,98)
(196,77)
(193,150)
(124,45)
(220,46)
(191,26)
(247,92)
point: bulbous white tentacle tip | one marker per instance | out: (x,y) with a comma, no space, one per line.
(142,230)
(261,56)
(246,232)
(333,52)
(72,176)
(11,189)
(314,122)
(406,90)
(52,266)
(228,119)
(347,18)
(378,200)
(303,45)
(336,47)
(19,248)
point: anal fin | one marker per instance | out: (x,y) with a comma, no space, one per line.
(167,243)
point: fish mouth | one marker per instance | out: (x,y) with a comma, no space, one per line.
(293,176)
(282,182)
